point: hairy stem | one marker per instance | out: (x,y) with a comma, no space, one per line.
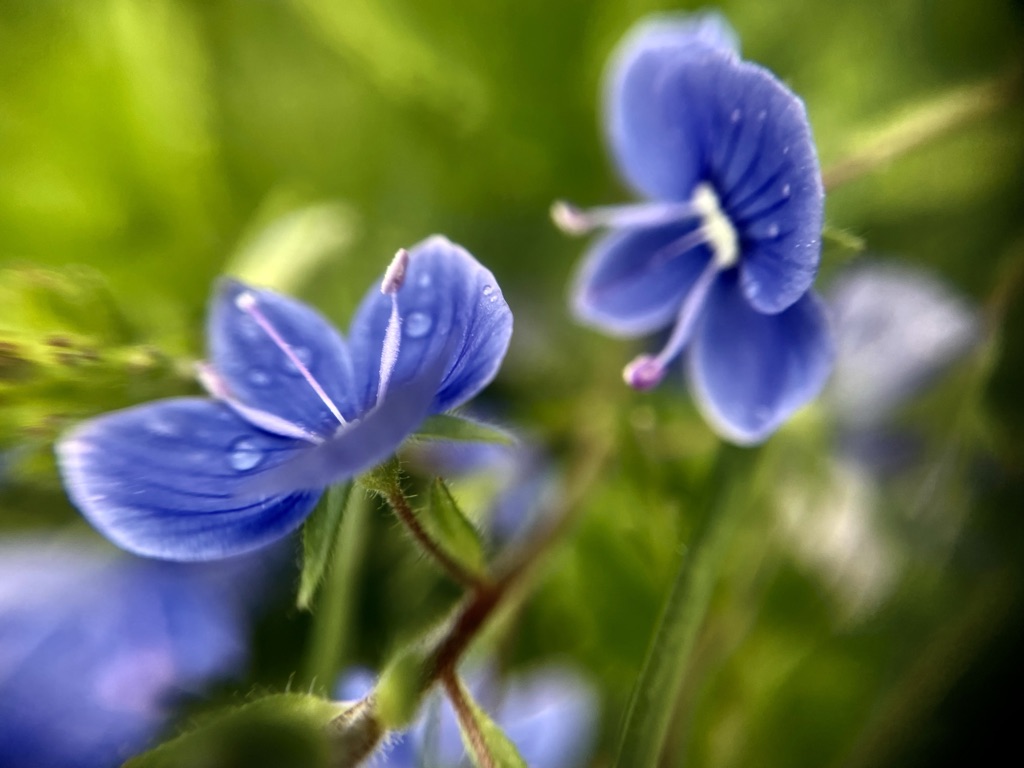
(398,502)
(467,719)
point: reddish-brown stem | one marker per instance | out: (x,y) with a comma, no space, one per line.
(396,499)
(467,718)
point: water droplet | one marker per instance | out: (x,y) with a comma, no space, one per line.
(244,454)
(162,428)
(258,377)
(249,329)
(305,355)
(736,115)
(417,325)
(773,230)
(488,290)
(786,190)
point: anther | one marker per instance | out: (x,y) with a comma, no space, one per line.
(645,372)
(394,276)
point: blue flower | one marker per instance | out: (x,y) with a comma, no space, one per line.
(94,649)
(295,408)
(726,247)
(898,328)
(549,713)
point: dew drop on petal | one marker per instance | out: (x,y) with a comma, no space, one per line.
(305,355)
(244,454)
(258,377)
(773,230)
(735,116)
(162,428)
(488,290)
(417,325)
(786,190)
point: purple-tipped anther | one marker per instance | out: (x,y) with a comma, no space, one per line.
(394,277)
(645,372)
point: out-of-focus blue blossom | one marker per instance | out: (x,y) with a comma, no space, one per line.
(549,713)
(896,328)
(95,649)
(296,407)
(726,247)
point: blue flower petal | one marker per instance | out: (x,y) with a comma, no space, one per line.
(551,716)
(367,442)
(750,371)
(628,284)
(261,376)
(651,137)
(95,650)
(171,479)
(447,296)
(706,116)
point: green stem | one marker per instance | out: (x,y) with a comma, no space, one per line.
(395,496)
(668,658)
(923,124)
(335,604)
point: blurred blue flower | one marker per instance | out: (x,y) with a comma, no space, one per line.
(95,650)
(897,328)
(726,247)
(549,713)
(295,408)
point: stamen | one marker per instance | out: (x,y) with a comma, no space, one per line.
(246,302)
(681,245)
(577,221)
(645,371)
(719,230)
(217,388)
(389,349)
(394,276)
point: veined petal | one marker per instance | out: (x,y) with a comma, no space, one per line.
(652,138)
(367,442)
(170,479)
(750,371)
(703,115)
(760,159)
(261,376)
(631,283)
(449,304)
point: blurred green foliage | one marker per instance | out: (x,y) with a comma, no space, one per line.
(147,146)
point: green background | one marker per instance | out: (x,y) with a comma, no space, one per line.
(147,146)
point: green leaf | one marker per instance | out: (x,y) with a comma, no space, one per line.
(656,692)
(447,426)
(481,734)
(319,539)
(280,730)
(401,687)
(841,241)
(451,528)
